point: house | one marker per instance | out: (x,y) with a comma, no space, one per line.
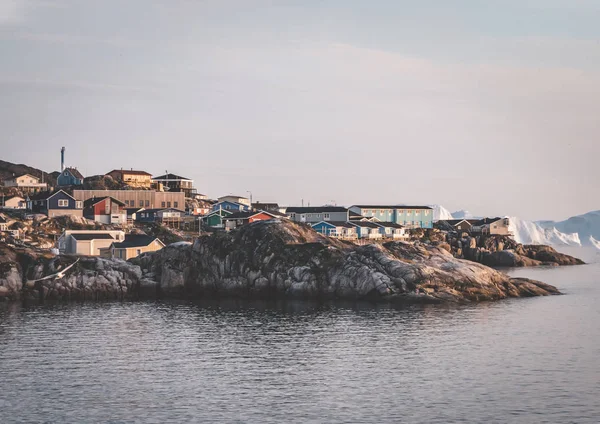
(13,202)
(87,242)
(241,218)
(132,178)
(3,224)
(199,196)
(133,246)
(409,216)
(200,207)
(69,177)
(458,225)
(268,207)
(132,213)
(391,230)
(338,229)
(26,183)
(367,230)
(149,199)
(215,218)
(160,215)
(231,206)
(105,210)
(317,214)
(176,183)
(235,199)
(494,226)
(54,204)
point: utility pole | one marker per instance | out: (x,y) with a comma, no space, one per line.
(248,191)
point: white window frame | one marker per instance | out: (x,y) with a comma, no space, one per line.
(63,203)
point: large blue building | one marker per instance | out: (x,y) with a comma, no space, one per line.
(409,216)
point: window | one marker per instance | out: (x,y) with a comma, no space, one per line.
(309,215)
(63,203)
(162,204)
(175,204)
(168,204)
(78,204)
(293,215)
(126,202)
(401,211)
(141,203)
(326,216)
(147,203)
(382,211)
(426,212)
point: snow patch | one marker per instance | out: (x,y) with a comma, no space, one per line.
(595,242)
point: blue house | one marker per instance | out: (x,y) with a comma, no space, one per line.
(231,206)
(337,229)
(54,204)
(162,214)
(69,177)
(409,216)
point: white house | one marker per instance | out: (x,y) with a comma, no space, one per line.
(88,242)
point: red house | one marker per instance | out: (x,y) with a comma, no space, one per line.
(242,218)
(106,210)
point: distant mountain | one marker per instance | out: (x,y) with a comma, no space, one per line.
(440,212)
(9,170)
(587,226)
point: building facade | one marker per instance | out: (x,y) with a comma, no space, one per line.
(235,199)
(149,199)
(13,202)
(408,216)
(337,229)
(133,246)
(317,214)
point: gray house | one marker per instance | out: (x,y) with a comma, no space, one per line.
(317,214)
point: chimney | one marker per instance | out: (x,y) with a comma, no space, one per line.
(62,159)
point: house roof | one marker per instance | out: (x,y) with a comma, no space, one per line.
(259,205)
(94,200)
(218,211)
(233,195)
(25,175)
(130,171)
(389,225)
(133,210)
(335,224)
(7,198)
(315,209)
(156,210)
(367,224)
(75,173)
(44,195)
(135,240)
(171,177)
(2,220)
(244,215)
(455,222)
(391,207)
(92,236)
(485,221)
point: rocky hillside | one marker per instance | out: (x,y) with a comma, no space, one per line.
(8,170)
(271,258)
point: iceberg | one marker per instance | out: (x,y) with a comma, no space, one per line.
(441,213)
(529,232)
(595,242)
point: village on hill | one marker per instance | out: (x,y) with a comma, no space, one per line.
(127,212)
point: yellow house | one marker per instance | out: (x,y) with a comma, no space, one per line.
(135,179)
(133,246)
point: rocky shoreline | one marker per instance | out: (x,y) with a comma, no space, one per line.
(267,259)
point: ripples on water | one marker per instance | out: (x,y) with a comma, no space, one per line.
(524,360)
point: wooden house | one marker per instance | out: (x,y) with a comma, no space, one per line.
(175,183)
(238,219)
(159,215)
(133,246)
(54,204)
(13,202)
(337,229)
(87,242)
(106,210)
(367,230)
(26,183)
(132,178)
(69,177)
(215,218)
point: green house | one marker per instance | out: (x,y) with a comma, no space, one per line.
(215,219)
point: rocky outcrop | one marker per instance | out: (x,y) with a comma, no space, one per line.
(501,251)
(26,274)
(271,258)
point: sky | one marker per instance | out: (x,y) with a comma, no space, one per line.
(485,105)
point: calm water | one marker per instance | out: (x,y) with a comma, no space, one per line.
(517,361)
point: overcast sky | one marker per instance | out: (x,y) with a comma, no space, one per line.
(491,106)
